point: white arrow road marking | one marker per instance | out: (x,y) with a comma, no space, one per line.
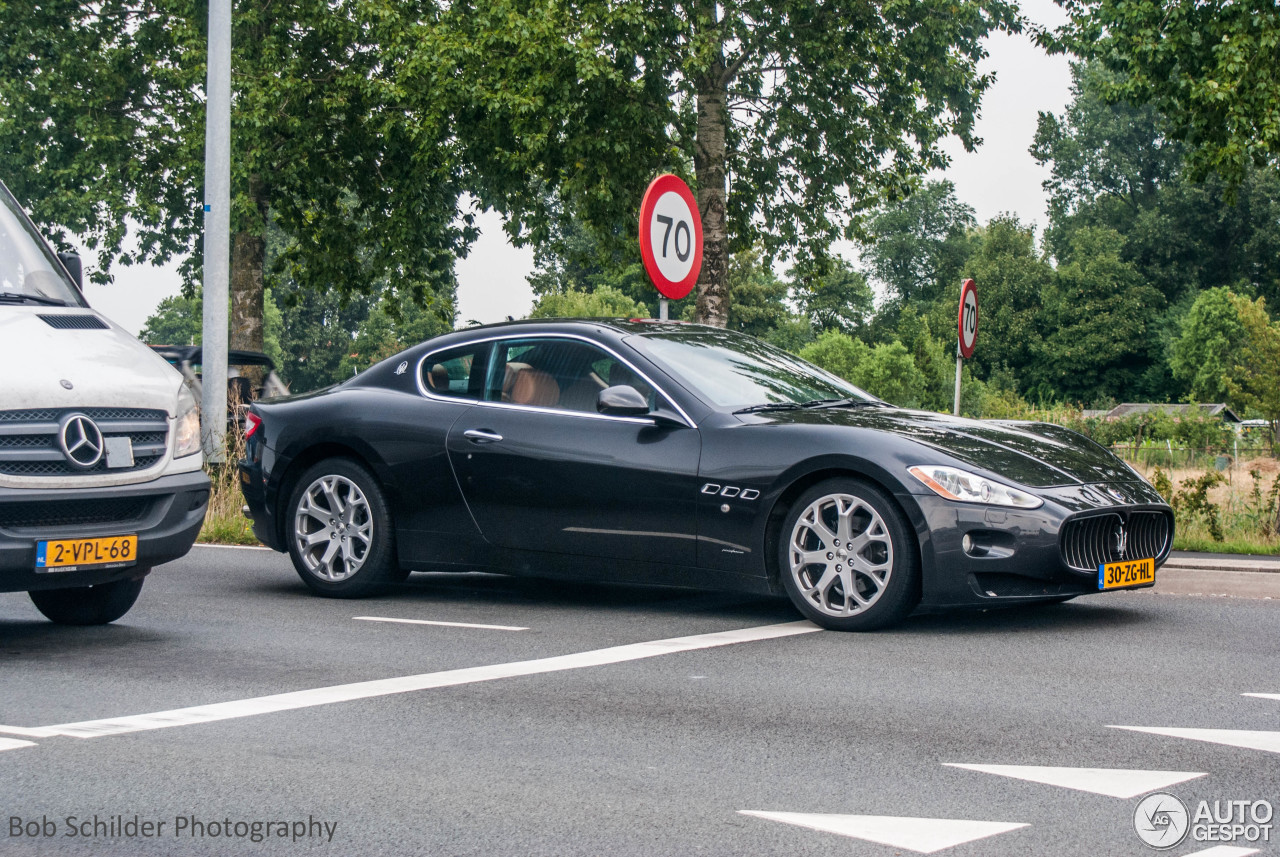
(442,624)
(14,744)
(406,684)
(921,835)
(1112,782)
(1224,851)
(1263,695)
(1250,740)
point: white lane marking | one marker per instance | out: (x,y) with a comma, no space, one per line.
(1263,695)
(1224,851)
(1250,740)
(23,731)
(14,744)
(234,547)
(922,835)
(405,684)
(1112,782)
(444,624)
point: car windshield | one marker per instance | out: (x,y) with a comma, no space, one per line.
(732,370)
(29,272)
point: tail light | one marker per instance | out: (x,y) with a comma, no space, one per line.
(251,423)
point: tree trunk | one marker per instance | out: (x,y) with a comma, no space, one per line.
(248,255)
(709,164)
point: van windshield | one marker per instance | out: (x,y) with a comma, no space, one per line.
(29,272)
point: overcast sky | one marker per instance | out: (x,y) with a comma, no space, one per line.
(1000,177)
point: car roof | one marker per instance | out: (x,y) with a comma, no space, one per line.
(192,354)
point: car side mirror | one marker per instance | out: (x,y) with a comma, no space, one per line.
(622,401)
(71,261)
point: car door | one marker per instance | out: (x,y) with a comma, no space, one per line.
(542,470)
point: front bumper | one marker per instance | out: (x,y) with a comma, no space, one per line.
(165,513)
(1018,554)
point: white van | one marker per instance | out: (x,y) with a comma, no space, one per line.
(100,464)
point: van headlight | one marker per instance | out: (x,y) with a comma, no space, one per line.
(186,428)
(956,484)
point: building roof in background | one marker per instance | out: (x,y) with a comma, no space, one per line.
(1211,410)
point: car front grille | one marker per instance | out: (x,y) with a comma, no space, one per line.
(1089,541)
(29,439)
(67,513)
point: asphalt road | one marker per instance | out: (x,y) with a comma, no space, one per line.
(230,696)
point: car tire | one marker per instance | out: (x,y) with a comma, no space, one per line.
(338,528)
(88,605)
(846,535)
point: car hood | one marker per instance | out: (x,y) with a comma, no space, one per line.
(47,367)
(1033,454)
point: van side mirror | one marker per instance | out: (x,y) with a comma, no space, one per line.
(71,261)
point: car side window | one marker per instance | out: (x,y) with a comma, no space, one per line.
(566,374)
(456,373)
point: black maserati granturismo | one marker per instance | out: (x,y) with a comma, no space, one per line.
(654,452)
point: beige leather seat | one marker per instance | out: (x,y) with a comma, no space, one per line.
(525,385)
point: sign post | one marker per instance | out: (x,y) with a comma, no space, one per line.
(670,238)
(968,332)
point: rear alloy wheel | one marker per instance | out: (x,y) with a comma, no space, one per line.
(88,605)
(340,536)
(847,559)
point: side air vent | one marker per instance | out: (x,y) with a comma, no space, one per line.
(75,322)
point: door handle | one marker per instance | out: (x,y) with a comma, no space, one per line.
(481,436)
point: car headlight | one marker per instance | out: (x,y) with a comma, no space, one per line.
(956,484)
(186,428)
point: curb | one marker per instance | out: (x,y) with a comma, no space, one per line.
(1246,577)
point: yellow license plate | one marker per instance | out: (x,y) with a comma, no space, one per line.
(75,554)
(1134,572)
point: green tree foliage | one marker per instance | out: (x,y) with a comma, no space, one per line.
(1206,352)
(831,295)
(1115,165)
(102,125)
(887,370)
(603,302)
(816,110)
(1210,67)
(178,320)
(920,246)
(1012,281)
(1255,380)
(1098,317)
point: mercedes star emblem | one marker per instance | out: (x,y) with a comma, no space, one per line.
(81,441)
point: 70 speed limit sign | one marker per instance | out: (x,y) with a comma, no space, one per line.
(671,236)
(968,318)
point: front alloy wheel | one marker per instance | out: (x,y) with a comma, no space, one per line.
(341,542)
(846,560)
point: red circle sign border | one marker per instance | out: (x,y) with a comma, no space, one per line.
(665,183)
(969,286)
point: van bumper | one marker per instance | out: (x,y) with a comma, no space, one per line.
(166,515)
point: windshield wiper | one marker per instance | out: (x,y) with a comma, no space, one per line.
(22,298)
(845,403)
(769,406)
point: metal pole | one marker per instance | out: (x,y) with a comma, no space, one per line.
(217,231)
(662,309)
(959,367)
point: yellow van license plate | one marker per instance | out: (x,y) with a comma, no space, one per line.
(69,554)
(1118,575)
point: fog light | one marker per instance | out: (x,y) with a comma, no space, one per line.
(967,543)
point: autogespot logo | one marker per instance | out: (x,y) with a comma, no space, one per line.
(1161,820)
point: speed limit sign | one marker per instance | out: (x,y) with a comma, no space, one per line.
(671,236)
(968,318)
